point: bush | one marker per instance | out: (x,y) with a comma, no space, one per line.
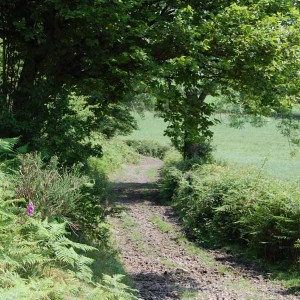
(64,127)
(90,211)
(148,148)
(115,154)
(55,192)
(38,260)
(63,194)
(221,205)
(170,175)
(30,246)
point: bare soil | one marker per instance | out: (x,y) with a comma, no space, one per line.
(161,262)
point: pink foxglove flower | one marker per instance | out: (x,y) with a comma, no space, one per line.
(30,209)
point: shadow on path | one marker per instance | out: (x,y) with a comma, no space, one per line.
(170,285)
(153,279)
(132,192)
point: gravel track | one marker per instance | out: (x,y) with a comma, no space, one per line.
(163,264)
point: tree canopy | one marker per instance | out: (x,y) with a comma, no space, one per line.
(110,51)
(247,51)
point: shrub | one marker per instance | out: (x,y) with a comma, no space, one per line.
(38,260)
(170,175)
(54,191)
(221,205)
(64,127)
(29,246)
(63,194)
(115,154)
(148,148)
(90,211)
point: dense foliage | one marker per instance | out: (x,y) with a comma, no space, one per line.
(40,206)
(115,154)
(148,148)
(220,205)
(64,195)
(107,54)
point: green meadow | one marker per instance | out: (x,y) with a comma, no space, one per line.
(264,147)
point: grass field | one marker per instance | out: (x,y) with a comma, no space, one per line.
(262,147)
(150,128)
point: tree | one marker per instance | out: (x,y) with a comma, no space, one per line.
(185,50)
(51,47)
(245,50)
(56,51)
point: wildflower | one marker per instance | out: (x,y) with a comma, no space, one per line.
(30,209)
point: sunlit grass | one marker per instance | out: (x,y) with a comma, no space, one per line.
(152,173)
(150,128)
(262,147)
(161,224)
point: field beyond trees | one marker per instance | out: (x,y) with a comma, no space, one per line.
(262,147)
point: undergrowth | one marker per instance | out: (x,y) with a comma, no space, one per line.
(148,148)
(43,207)
(222,205)
(115,155)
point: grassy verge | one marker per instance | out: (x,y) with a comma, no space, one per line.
(152,174)
(115,154)
(107,261)
(221,205)
(161,224)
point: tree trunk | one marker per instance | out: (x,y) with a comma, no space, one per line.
(191,147)
(23,110)
(191,150)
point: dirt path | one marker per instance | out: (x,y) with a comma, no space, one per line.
(161,262)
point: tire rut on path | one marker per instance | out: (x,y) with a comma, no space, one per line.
(164,265)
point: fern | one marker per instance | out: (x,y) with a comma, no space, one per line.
(113,289)
(9,152)
(7,145)
(32,259)
(38,261)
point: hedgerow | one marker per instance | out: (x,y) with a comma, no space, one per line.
(221,204)
(148,148)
